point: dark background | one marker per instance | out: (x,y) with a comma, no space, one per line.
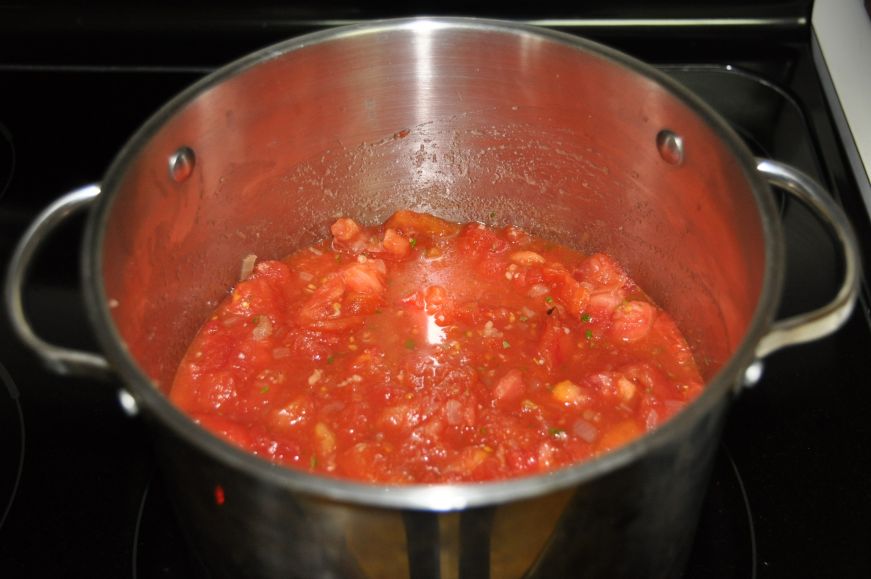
(790,496)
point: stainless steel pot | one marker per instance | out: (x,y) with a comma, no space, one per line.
(471,120)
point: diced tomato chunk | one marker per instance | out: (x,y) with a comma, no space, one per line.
(395,244)
(554,345)
(345,229)
(602,271)
(632,321)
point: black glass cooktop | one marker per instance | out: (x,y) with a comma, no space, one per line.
(79,492)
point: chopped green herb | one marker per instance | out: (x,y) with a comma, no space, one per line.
(506,344)
(589,334)
(409,343)
(338,257)
(331,359)
(523,319)
(556,432)
(548,299)
(412,242)
(255,320)
(585,317)
(264,389)
(313,462)
(492,214)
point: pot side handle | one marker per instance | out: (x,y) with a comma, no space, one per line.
(824,320)
(62,360)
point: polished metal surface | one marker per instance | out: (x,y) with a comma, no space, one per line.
(181,164)
(670,147)
(62,360)
(823,321)
(468,119)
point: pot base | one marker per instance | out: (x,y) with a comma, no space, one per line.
(723,548)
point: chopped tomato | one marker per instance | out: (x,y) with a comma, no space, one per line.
(422,351)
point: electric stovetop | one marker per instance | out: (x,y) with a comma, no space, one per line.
(79,493)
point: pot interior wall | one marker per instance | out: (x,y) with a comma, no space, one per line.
(468,123)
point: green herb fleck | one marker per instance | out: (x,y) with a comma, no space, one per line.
(523,319)
(556,432)
(255,320)
(506,344)
(331,359)
(585,317)
(264,389)
(377,310)
(338,257)
(589,334)
(409,343)
(412,242)
(313,462)
(492,214)
(548,299)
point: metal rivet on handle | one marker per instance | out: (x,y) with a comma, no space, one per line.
(753,373)
(128,403)
(671,147)
(181,164)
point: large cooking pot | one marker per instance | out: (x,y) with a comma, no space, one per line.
(470,120)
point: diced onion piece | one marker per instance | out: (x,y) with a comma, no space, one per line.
(526,258)
(510,386)
(626,388)
(263,329)
(538,290)
(279,353)
(247,266)
(454,412)
(490,330)
(585,430)
(326,439)
(306,276)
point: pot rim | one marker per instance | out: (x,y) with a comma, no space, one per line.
(427,497)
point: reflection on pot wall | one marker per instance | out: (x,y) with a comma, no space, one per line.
(623,524)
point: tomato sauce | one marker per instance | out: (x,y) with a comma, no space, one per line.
(423,351)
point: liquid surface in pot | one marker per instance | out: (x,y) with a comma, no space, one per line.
(426,351)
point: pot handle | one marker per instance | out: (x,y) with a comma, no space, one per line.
(62,360)
(824,320)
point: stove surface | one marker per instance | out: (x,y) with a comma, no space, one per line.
(79,491)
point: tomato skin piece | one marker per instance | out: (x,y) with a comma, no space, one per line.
(483,245)
(337,304)
(554,345)
(632,321)
(423,227)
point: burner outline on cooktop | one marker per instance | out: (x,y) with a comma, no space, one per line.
(12,389)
